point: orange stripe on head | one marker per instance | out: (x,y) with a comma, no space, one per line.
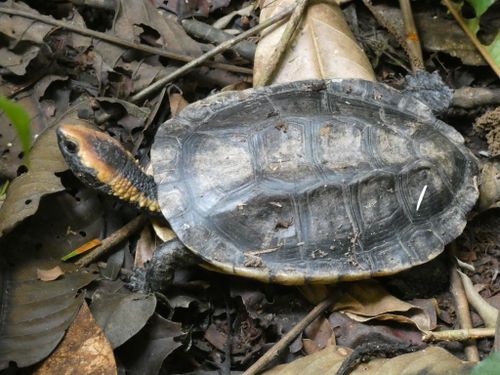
(82,142)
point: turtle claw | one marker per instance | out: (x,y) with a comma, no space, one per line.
(159,272)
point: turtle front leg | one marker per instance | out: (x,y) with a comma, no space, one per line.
(159,271)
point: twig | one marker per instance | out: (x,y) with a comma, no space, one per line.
(121,42)
(285,341)
(211,34)
(488,313)
(470,97)
(411,39)
(282,45)
(463,313)
(199,60)
(489,59)
(102,4)
(114,239)
(459,334)
(496,343)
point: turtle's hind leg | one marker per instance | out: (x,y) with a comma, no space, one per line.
(159,271)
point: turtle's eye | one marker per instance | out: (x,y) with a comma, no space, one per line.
(71,147)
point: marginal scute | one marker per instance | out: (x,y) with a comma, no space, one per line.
(314,181)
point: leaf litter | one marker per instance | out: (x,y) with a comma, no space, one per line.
(205,321)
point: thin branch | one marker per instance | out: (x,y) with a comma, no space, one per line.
(200,60)
(120,42)
(496,343)
(283,44)
(463,313)
(114,239)
(285,341)
(470,97)
(459,334)
(412,40)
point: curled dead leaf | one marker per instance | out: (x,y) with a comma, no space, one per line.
(366,300)
(50,274)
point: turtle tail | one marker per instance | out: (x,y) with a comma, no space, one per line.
(102,163)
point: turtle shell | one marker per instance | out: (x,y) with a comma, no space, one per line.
(313,181)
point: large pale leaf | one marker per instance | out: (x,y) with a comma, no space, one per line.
(323,46)
(433,360)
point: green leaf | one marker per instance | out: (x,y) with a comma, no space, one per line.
(21,121)
(489,366)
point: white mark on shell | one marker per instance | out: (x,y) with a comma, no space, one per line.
(421,198)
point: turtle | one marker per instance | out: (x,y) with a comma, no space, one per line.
(314,181)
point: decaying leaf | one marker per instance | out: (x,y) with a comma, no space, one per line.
(25,191)
(146,352)
(351,333)
(135,18)
(50,274)
(323,46)
(366,300)
(122,315)
(83,350)
(11,148)
(433,360)
(454,42)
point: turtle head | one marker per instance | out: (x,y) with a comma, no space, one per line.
(88,154)
(102,163)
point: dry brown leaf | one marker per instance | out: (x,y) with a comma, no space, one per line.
(50,274)
(433,360)
(177,103)
(320,332)
(323,46)
(83,350)
(366,300)
(144,248)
